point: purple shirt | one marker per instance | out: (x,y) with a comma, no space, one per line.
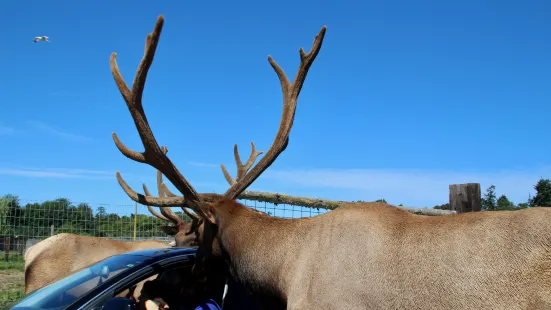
(208,305)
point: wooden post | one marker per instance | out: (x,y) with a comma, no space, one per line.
(135,218)
(52,230)
(7,248)
(21,244)
(465,197)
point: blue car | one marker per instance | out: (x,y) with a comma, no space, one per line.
(94,287)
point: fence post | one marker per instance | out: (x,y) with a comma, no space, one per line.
(21,244)
(135,218)
(465,197)
(7,249)
(52,230)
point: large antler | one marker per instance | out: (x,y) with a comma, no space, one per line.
(290,97)
(152,155)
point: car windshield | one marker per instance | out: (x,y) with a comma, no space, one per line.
(64,292)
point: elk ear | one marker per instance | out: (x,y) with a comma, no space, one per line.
(209,212)
(169,230)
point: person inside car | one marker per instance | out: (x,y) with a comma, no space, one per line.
(170,298)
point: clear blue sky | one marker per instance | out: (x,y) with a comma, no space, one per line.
(405,97)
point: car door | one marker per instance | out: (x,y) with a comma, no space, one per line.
(101,295)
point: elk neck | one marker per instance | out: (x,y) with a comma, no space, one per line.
(259,247)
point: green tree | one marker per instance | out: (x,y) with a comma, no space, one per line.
(101,211)
(81,218)
(489,202)
(503,203)
(543,194)
(10,213)
(31,220)
(381,200)
(523,205)
(445,206)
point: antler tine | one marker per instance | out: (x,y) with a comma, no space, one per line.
(169,213)
(195,219)
(186,210)
(192,216)
(166,211)
(152,154)
(290,97)
(241,169)
(157,214)
(150,200)
(168,192)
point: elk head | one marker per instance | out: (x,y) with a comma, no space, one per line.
(213,211)
(185,234)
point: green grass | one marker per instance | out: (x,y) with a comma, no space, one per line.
(7,298)
(12,283)
(12,257)
(15,261)
(19,266)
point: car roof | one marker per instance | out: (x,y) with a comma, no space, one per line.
(162,253)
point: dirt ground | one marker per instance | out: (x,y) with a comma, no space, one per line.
(12,286)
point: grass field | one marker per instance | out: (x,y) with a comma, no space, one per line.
(12,283)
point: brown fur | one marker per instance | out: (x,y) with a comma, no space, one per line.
(59,256)
(375,256)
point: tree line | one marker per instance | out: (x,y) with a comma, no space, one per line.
(36,219)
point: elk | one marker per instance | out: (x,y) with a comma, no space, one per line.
(360,255)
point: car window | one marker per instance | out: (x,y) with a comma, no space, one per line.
(61,294)
(81,289)
(173,276)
